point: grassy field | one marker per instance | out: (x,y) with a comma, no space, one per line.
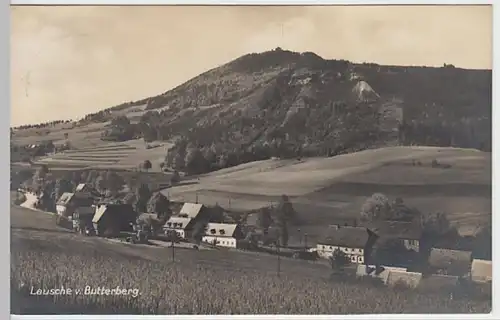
(326,187)
(198,282)
(80,137)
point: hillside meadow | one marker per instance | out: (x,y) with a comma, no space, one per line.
(197,282)
(323,188)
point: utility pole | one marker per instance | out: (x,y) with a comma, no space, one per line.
(173,249)
(305,241)
(278,254)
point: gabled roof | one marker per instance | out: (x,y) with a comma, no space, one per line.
(65,198)
(396,229)
(220,229)
(120,208)
(191,210)
(177,223)
(80,187)
(99,212)
(351,237)
(459,261)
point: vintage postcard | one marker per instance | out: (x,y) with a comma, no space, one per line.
(171,160)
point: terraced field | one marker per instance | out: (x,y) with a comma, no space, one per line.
(111,156)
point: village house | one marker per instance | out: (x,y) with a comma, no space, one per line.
(69,201)
(112,218)
(181,225)
(408,233)
(450,262)
(353,241)
(223,234)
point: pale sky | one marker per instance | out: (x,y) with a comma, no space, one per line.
(70,61)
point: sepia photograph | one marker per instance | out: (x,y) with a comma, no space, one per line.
(253,160)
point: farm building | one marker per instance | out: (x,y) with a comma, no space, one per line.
(450,262)
(68,202)
(182,226)
(403,278)
(111,219)
(481,270)
(437,282)
(223,234)
(353,241)
(408,233)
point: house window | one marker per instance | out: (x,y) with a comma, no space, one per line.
(221,231)
(212,231)
(353,259)
(360,259)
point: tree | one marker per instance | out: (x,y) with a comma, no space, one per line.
(376,207)
(160,205)
(436,224)
(339,260)
(130,198)
(175,177)
(196,162)
(61,186)
(100,185)
(147,165)
(285,210)
(199,230)
(91,177)
(283,233)
(264,219)
(40,176)
(76,178)
(483,242)
(114,182)
(142,195)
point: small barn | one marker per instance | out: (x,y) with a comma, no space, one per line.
(113,218)
(481,270)
(450,262)
(223,234)
(182,226)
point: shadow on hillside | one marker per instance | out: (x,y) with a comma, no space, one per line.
(40,229)
(446,190)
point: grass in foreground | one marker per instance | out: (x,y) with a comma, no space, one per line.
(187,288)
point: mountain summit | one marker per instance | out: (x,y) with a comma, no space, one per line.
(291,104)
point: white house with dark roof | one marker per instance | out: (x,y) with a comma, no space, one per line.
(353,241)
(222,234)
(182,226)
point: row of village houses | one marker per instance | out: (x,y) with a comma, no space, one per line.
(356,241)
